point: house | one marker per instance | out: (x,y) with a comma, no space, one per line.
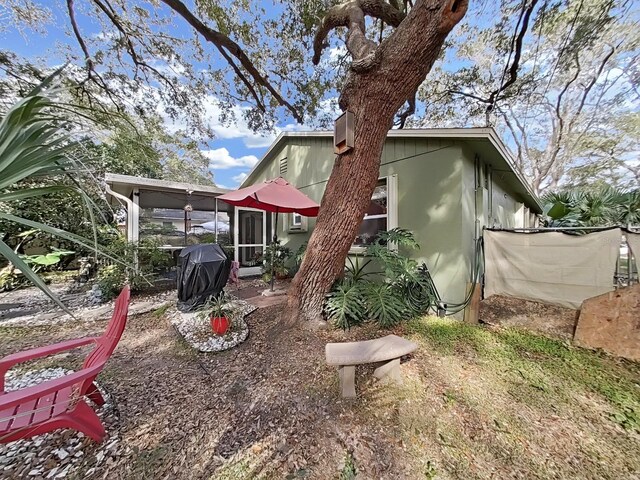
(445,185)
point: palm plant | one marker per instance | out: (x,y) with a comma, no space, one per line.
(600,207)
(629,208)
(400,291)
(34,145)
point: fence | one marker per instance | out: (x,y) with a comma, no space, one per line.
(560,269)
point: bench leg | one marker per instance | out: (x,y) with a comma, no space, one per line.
(389,372)
(347,374)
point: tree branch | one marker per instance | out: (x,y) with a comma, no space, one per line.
(516,48)
(410,110)
(222,41)
(92,74)
(351,14)
(469,95)
(137,61)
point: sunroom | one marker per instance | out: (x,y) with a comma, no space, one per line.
(177,214)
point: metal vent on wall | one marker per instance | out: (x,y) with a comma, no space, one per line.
(283,166)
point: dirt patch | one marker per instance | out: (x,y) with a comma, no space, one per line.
(540,317)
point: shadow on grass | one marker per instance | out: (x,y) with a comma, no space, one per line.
(553,369)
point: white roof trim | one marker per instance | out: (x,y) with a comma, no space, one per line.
(154,184)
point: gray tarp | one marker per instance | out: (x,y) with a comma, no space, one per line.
(551,267)
(633,239)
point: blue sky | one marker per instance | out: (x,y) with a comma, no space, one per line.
(233,151)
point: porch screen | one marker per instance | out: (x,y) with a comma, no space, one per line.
(551,267)
(633,239)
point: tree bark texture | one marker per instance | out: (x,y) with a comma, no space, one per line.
(379,82)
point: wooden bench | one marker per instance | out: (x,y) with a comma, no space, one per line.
(347,355)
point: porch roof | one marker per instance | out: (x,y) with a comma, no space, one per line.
(155,193)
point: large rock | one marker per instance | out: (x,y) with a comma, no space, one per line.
(611,321)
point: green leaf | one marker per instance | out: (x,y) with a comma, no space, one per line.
(21,265)
(558,210)
(345,306)
(33,192)
(384,305)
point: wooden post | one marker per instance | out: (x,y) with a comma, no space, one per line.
(472,310)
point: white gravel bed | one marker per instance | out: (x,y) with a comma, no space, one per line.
(138,305)
(58,454)
(196,329)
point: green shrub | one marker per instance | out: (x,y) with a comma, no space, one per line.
(111,279)
(151,261)
(11,278)
(401,291)
(275,259)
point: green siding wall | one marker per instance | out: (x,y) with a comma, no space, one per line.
(435,190)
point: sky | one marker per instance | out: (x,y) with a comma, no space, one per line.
(235,148)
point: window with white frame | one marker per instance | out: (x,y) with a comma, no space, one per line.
(380,215)
(296,223)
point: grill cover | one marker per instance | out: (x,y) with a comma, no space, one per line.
(203,270)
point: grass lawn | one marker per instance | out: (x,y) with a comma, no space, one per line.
(475,403)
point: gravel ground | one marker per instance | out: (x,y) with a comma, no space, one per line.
(195,328)
(57,454)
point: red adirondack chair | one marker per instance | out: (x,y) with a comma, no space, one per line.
(60,403)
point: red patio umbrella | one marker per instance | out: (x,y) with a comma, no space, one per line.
(276,196)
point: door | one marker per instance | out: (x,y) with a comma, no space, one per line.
(250,234)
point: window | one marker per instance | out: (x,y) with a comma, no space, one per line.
(376,219)
(296,223)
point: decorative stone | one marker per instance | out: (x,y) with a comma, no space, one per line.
(62,453)
(611,321)
(196,329)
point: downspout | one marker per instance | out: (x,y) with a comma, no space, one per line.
(129,203)
(130,224)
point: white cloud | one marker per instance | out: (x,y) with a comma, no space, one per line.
(240,177)
(221,159)
(239,128)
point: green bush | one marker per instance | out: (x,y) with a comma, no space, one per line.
(275,259)
(11,278)
(151,261)
(400,291)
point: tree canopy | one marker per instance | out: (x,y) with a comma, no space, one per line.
(558,79)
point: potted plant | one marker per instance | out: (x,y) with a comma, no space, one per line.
(275,260)
(219,314)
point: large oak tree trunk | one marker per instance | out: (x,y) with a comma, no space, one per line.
(378,84)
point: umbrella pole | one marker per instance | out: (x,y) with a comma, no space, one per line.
(273,252)
(216,219)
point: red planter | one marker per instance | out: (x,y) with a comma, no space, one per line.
(220,325)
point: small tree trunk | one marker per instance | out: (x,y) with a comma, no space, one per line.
(374,90)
